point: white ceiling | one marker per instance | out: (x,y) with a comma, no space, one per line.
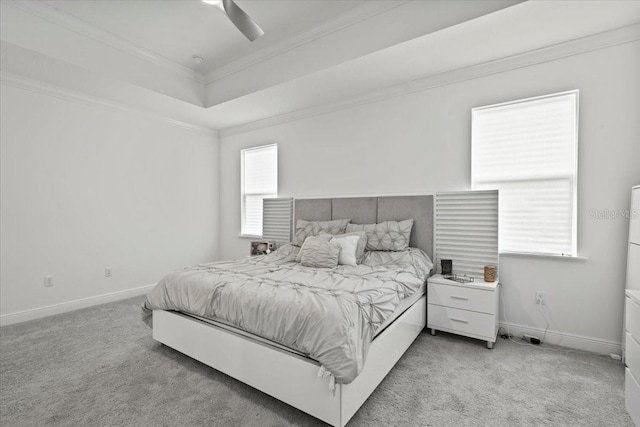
(332,53)
(179,29)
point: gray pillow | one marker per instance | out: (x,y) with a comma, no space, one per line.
(385,236)
(323,237)
(319,254)
(362,243)
(305,229)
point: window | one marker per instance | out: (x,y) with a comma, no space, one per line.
(527,150)
(259,180)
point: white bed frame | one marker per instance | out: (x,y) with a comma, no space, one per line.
(287,377)
(291,378)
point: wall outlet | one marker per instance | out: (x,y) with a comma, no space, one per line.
(48,280)
(108,271)
(540,298)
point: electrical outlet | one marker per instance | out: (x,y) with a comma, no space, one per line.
(540,299)
(108,271)
(48,280)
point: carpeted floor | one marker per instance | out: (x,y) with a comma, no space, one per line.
(100,367)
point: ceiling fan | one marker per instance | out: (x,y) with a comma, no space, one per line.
(240,19)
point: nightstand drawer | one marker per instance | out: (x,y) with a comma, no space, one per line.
(461,297)
(471,323)
(632,318)
(632,355)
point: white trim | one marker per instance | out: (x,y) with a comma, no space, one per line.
(575,92)
(573,341)
(44,9)
(250,236)
(50,13)
(545,256)
(559,51)
(24,83)
(359,13)
(64,307)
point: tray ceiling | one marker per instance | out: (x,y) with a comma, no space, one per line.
(332,54)
(177,30)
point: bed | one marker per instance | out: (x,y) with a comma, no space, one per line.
(302,364)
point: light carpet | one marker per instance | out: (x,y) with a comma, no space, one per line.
(100,367)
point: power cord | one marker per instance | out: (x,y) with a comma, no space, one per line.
(509,336)
(547,321)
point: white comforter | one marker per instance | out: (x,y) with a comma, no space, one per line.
(329,314)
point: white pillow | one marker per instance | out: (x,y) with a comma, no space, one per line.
(362,243)
(348,246)
(323,237)
(306,229)
(385,236)
(319,254)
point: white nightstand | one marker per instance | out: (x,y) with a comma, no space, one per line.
(469,309)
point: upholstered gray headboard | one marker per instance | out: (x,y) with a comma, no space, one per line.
(370,210)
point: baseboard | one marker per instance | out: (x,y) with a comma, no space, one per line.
(573,341)
(50,310)
(578,342)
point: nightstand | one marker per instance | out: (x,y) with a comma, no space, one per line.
(469,309)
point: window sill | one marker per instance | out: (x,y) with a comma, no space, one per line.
(544,256)
(250,236)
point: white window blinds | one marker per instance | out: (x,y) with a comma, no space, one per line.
(259,180)
(466,230)
(527,150)
(277,218)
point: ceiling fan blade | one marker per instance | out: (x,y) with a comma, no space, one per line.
(240,19)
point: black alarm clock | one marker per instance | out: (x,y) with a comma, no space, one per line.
(447,266)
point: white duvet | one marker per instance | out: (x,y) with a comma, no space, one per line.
(330,315)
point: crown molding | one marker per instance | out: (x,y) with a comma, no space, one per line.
(43,10)
(24,83)
(359,13)
(555,52)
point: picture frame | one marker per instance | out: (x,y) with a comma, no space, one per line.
(260,247)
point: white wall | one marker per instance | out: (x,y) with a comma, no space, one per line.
(420,143)
(37,27)
(86,187)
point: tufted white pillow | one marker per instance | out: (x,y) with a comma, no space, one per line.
(323,237)
(306,229)
(385,236)
(319,253)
